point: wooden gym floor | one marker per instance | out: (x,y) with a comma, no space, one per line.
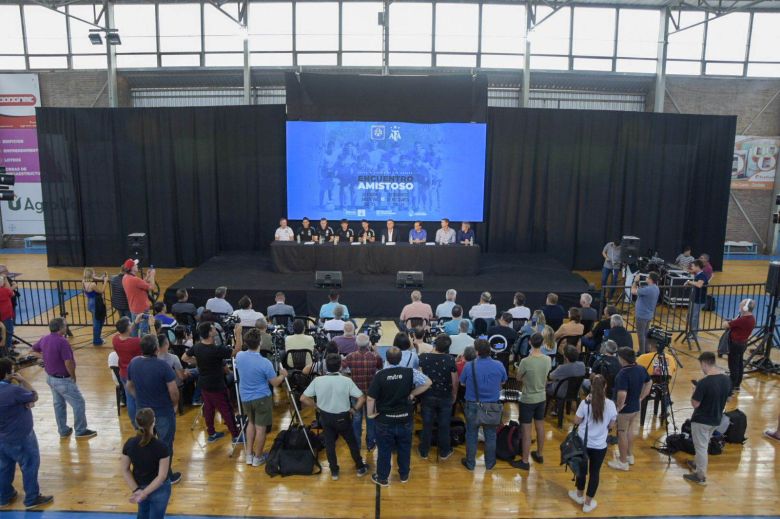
(84,476)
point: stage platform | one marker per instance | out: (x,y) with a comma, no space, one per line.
(376,296)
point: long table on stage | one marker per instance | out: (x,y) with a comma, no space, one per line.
(376,258)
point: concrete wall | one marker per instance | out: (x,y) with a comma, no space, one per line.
(79,89)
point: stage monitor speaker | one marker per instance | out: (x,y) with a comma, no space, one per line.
(629,250)
(138,246)
(773,279)
(328,279)
(409,278)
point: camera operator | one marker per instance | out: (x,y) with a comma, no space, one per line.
(7,314)
(740,330)
(644,308)
(363,365)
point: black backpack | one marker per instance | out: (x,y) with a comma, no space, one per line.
(737,427)
(457,433)
(508,441)
(290,454)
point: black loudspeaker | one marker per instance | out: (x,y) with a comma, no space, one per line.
(629,250)
(328,279)
(773,279)
(138,246)
(409,278)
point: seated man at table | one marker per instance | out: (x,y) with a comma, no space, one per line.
(306,233)
(366,234)
(298,341)
(283,232)
(326,310)
(325,231)
(446,234)
(484,309)
(280,307)
(345,234)
(445,309)
(389,233)
(416,310)
(418,234)
(453,327)
(465,234)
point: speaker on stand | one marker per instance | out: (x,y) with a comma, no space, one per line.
(138,247)
(760,359)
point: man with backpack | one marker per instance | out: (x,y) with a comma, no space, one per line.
(532,374)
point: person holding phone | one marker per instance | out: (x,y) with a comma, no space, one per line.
(137,291)
(94,288)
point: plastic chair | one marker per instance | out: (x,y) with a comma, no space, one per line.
(416,322)
(572,394)
(518,323)
(481,325)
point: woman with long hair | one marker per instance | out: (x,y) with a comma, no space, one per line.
(95,303)
(596,415)
(150,460)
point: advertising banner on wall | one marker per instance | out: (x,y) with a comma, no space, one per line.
(755,162)
(19,96)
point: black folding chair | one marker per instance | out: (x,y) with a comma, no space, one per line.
(572,394)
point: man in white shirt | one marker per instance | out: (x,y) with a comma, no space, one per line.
(461,341)
(217,304)
(520,311)
(485,309)
(246,313)
(445,309)
(446,234)
(284,233)
(337,323)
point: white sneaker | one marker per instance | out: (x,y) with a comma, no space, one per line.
(576,497)
(630,459)
(618,465)
(589,507)
(250,458)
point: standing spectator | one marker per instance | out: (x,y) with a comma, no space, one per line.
(18,443)
(7,315)
(346,341)
(445,309)
(416,310)
(488,375)
(118,296)
(685,259)
(532,374)
(95,303)
(409,357)
(708,400)
(182,304)
(390,404)
(611,267)
(644,308)
(218,304)
(698,297)
(127,347)
(437,402)
(452,327)
(707,268)
(211,379)
(152,383)
(334,393)
(484,309)
(362,366)
(553,312)
(137,291)
(632,385)
(255,373)
(327,311)
(280,307)
(599,415)
(463,340)
(519,310)
(741,328)
(60,366)
(419,345)
(150,460)
(246,313)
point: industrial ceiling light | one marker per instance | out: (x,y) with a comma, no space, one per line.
(94,37)
(112,37)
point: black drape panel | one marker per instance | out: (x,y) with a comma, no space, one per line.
(196,180)
(567,181)
(424,99)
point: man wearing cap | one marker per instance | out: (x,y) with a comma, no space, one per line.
(137,291)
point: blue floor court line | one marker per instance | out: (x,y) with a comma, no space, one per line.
(31,250)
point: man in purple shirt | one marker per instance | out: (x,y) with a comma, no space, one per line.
(418,234)
(60,366)
(346,342)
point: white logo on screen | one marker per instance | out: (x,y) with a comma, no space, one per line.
(395,133)
(377,132)
(361,212)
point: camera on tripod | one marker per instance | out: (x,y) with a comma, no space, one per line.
(661,337)
(374,332)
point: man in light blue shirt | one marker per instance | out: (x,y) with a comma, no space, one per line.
(646,301)
(218,304)
(446,234)
(445,309)
(453,327)
(255,372)
(418,234)
(326,310)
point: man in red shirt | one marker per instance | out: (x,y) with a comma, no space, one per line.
(741,328)
(363,365)
(127,348)
(137,291)
(7,314)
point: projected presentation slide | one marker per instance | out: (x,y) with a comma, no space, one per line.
(384,170)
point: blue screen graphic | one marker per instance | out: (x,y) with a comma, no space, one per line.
(384,170)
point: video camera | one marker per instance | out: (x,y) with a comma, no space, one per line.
(374,332)
(661,337)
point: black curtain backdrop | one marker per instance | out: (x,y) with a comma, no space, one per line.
(565,182)
(197,180)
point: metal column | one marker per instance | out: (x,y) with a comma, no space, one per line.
(660,64)
(247,55)
(113,93)
(529,12)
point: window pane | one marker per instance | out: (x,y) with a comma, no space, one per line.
(727,36)
(723,69)
(136,61)
(79,32)
(765,38)
(179,27)
(222,33)
(361,59)
(763,70)
(181,60)
(503,27)
(317,59)
(636,65)
(360,30)
(89,62)
(136,28)
(225,60)
(457,27)
(317,26)
(270,27)
(12,63)
(46,32)
(272,59)
(684,68)
(498,61)
(410,26)
(456,60)
(48,62)
(688,43)
(638,33)
(552,36)
(594,31)
(548,63)
(11,35)
(592,64)
(401,59)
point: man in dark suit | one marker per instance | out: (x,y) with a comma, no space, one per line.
(390,233)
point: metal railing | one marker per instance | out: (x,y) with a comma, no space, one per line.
(39,302)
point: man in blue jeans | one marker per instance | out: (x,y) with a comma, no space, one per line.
(390,404)
(490,375)
(18,443)
(437,402)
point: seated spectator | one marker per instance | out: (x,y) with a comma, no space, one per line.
(218,304)
(418,341)
(161,314)
(553,312)
(595,336)
(182,304)
(607,365)
(409,358)
(445,309)
(336,323)
(298,341)
(548,336)
(416,310)
(246,313)
(328,309)
(504,328)
(535,324)
(571,367)
(346,342)
(462,340)
(573,327)
(266,341)
(280,307)
(452,327)
(588,314)
(484,309)
(519,310)
(685,259)
(618,332)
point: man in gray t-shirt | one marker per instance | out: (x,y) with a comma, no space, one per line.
(644,309)
(611,254)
